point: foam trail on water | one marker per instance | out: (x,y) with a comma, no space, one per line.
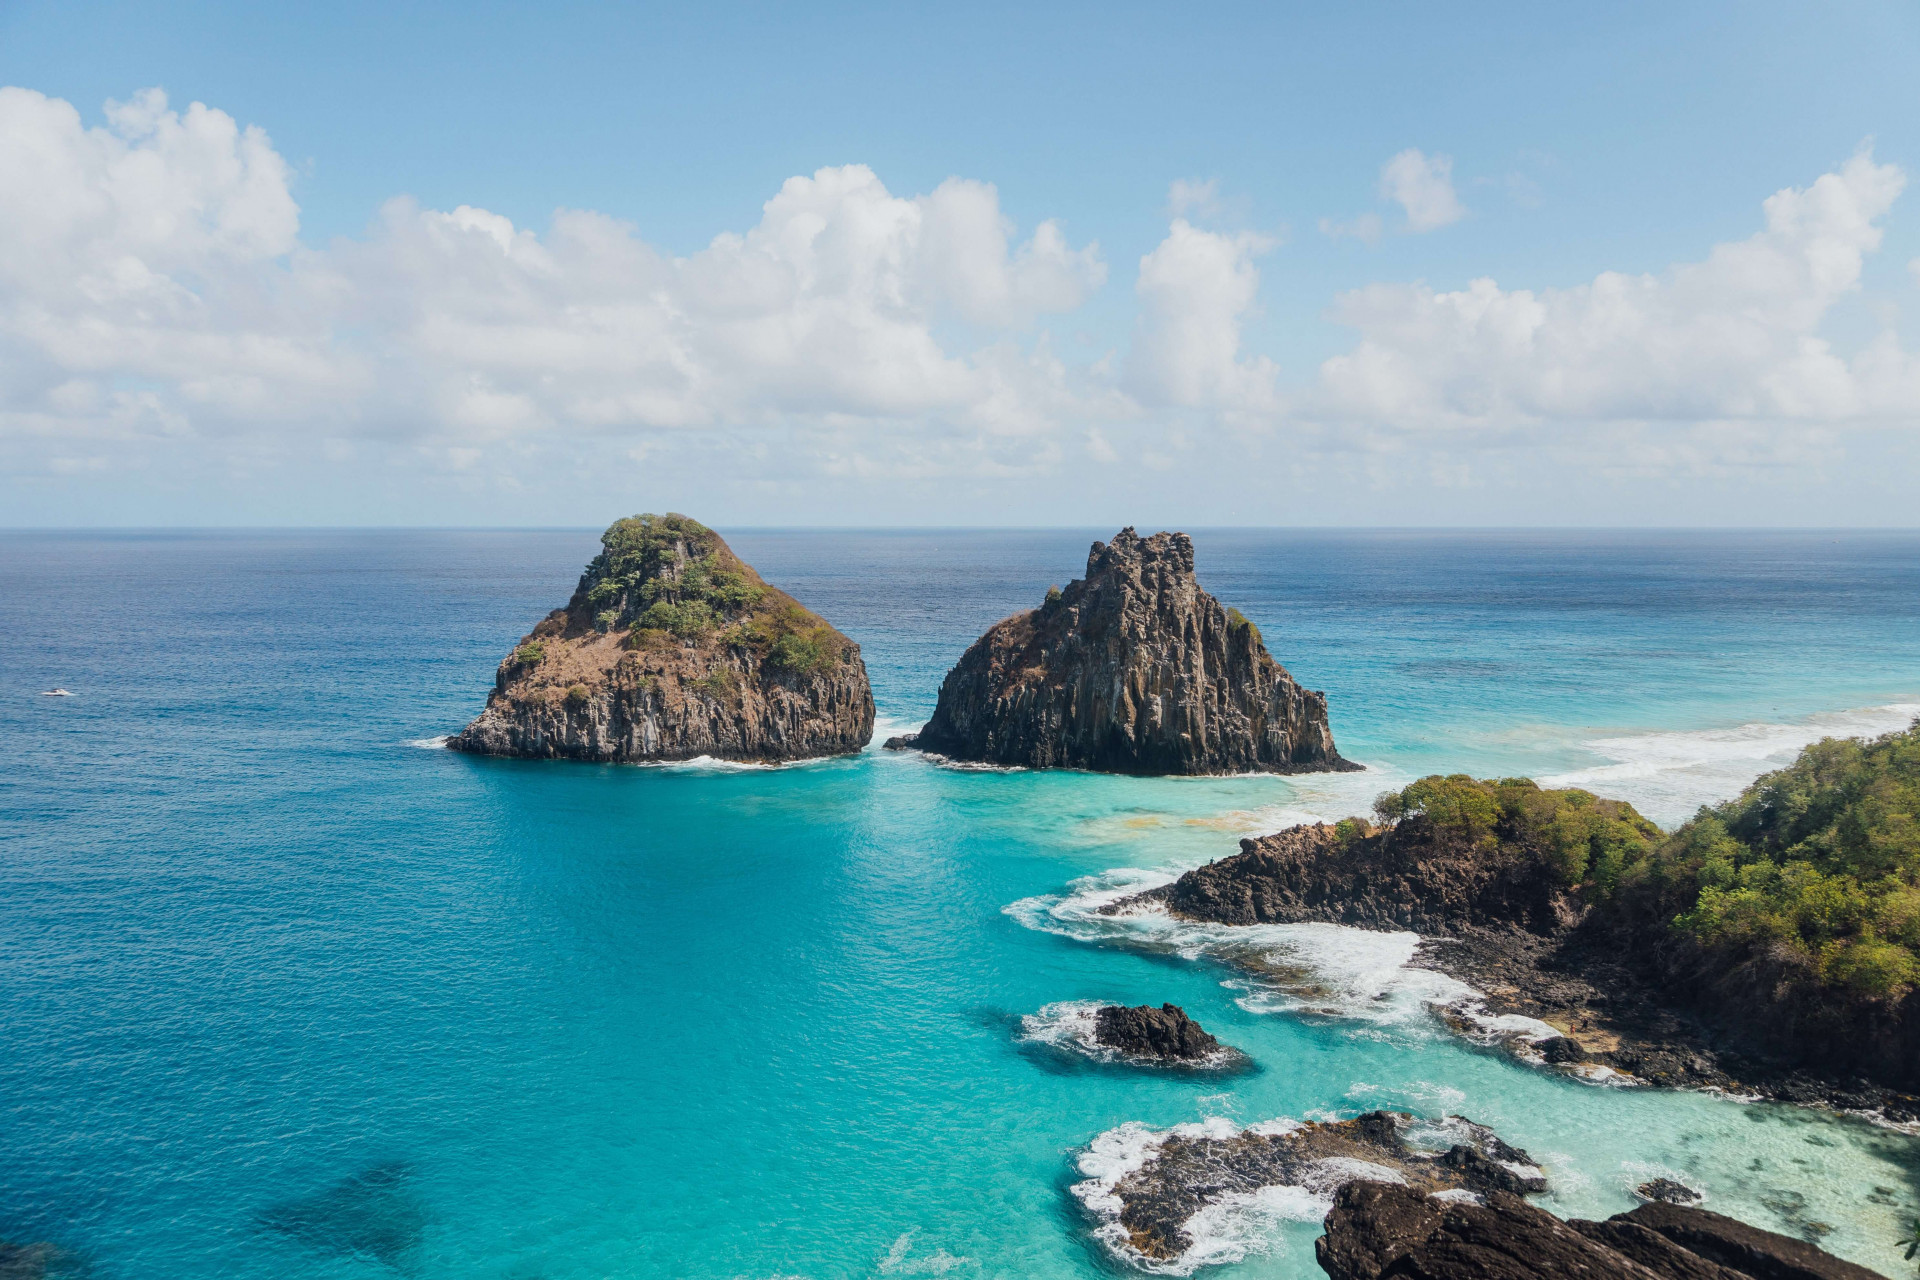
(1669,774)
(431,744)
(1320,968)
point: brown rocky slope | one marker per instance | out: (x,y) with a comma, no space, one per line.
(1132,669)
(672,648)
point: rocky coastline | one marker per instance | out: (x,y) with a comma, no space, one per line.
(1491,917)
(1377,1230)
(1152,1204)
(1131,669)
(673,648)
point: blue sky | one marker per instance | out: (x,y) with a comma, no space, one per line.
(1569,143)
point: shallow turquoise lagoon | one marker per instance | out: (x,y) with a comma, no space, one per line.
(287,994)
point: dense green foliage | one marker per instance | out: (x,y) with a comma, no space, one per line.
(1586,840)
(529,654)
(670,578)
(666,573)
(1822,857)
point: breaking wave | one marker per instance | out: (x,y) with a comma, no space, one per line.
(1668,774)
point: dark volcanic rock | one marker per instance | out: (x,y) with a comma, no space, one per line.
(1624,992)
(1132,669)
(1667,1191)
(1146,1032)
(1404,879)
(1379,1230)
(1185,1174)
(671,648)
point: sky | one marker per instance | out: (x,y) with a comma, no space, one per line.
(1371,264)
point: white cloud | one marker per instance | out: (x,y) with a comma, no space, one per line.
(153,283)
(1732,337)
(1423,186)
(1195,290)
(156,302)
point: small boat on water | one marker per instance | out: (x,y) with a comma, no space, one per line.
(56,693)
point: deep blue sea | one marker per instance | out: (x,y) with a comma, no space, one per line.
(287,992)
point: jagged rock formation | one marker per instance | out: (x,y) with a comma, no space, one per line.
(1132,669)
(1184,1174)
(1378,1230)
(1166,1033)
(672,648)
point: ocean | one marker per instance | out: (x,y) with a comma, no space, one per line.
(287,991)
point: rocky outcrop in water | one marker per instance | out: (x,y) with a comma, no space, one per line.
(1377,1230)
(1132,669)
(1166,1034)
(1186,1173)
(671,648)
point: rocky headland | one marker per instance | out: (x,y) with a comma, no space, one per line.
(1579,913)
(1131,669)
(1378,1230)
(671,648)
(1165,1034)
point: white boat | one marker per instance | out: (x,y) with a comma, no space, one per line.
(56,693)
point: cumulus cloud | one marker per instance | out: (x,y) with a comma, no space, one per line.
(1734,336)
(154,282)
(155,292)
(1423,186)
(1196,289)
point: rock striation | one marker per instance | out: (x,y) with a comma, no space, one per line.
(1132,669)
(1378,1230)
(671,648)
(1165,1034)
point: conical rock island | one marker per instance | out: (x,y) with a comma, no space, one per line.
(672,647)
(1132,669)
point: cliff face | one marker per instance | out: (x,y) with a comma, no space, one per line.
(672,648)
(1132,669)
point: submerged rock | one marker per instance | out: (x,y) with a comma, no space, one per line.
(1166,1033)
(39,1261)
(672,647)
(1667,1191)
(1132,669)
(1153,1203)
(1378,1230)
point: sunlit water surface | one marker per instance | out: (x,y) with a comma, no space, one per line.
(286,995)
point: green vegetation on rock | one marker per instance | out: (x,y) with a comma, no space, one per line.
(1822,858)
(529,654)
(1238,621)
(1589,842)
(1819,861)
(666,573)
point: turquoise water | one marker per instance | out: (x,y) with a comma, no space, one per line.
(286,996)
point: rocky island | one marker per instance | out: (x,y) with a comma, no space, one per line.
(1131,669)
(1768,944)
(672,648)
(1165,1034)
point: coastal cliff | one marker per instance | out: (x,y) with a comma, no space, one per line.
(1767,943)
(1132,669)
(670,648)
